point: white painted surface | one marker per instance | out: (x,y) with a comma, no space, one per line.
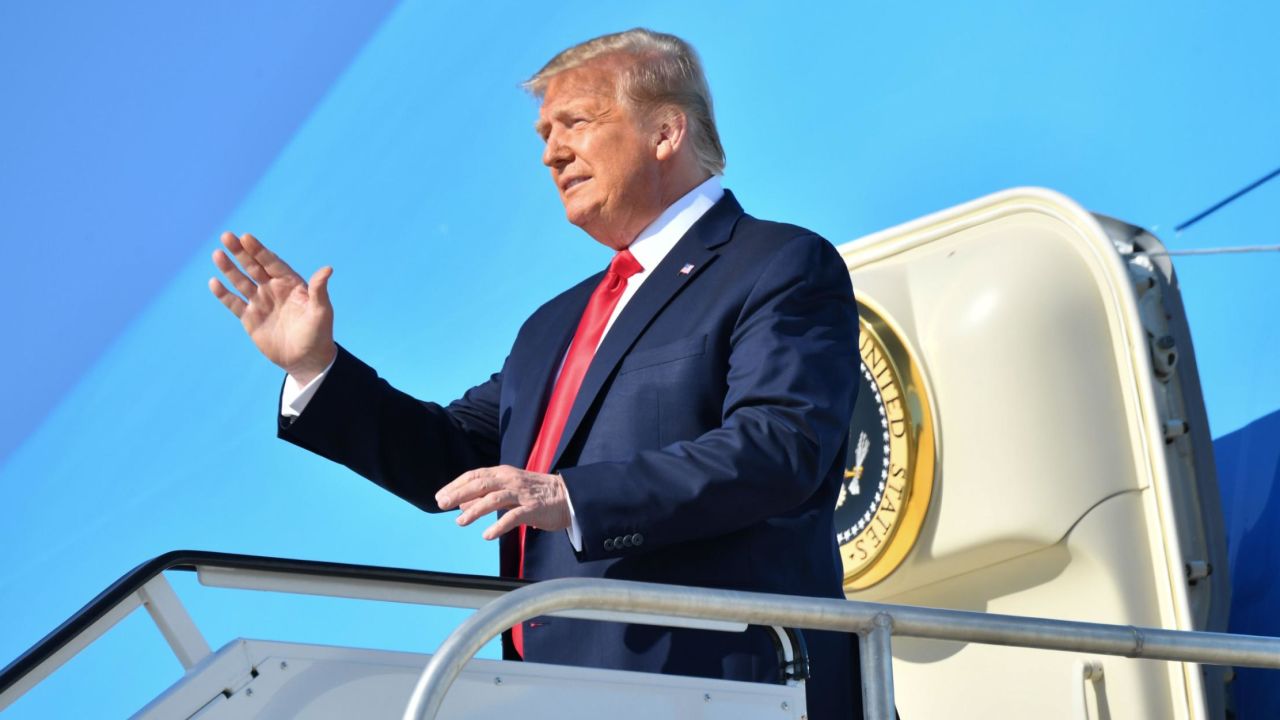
(312,682)
(1056,495)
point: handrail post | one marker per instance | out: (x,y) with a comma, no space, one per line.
(465,641)
(875,646)
(173,621)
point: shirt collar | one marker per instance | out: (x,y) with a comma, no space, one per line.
(655,241)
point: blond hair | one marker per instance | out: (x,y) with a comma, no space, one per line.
(664,72)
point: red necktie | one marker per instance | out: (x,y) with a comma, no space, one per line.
(585,339)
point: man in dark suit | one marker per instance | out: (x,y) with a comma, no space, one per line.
(678,418)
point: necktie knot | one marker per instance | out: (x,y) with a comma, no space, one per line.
(624,265)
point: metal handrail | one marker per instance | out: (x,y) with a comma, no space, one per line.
(145,585)
(131,582)
(874,622)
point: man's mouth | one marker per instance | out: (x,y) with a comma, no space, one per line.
(572,183)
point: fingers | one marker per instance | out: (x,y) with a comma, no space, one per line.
(468,486)
(505,524)
(493,502)
(238,279)
(273,265)
(318,287)
(242,256)
(534,499)
(227,298)
(482,491)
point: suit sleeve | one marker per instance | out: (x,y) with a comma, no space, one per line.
(791,386)
(407,446)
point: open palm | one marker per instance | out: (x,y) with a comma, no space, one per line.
(288,319)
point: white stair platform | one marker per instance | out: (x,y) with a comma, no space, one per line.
(263,679)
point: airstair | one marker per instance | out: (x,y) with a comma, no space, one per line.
(275,679)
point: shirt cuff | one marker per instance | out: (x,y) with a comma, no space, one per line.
(294,397)
(575,532)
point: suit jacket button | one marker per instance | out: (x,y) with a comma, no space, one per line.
(626,541)
(637,539)
(608,544)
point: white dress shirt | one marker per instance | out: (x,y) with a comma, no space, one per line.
(649,248)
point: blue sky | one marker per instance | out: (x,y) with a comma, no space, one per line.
(392,141)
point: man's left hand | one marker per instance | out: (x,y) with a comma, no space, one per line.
(534,499)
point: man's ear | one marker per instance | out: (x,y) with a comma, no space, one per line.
(671,132)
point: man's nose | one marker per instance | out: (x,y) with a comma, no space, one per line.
(555,153)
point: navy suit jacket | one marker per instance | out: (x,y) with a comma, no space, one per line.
(705,445)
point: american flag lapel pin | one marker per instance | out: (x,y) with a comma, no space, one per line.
(688,268)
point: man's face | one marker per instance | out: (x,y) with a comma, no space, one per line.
(602,155)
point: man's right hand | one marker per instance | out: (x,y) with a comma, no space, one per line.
(289,320)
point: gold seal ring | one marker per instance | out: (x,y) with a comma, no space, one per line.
(889,469)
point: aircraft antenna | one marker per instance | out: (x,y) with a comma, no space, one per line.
(1223,203)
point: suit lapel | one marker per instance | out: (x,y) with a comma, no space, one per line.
(694,251)
(539,371)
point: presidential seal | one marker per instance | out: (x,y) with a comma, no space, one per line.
(888,477)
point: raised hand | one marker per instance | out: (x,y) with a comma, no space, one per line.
(288,319)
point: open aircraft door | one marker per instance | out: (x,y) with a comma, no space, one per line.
(1030,439)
